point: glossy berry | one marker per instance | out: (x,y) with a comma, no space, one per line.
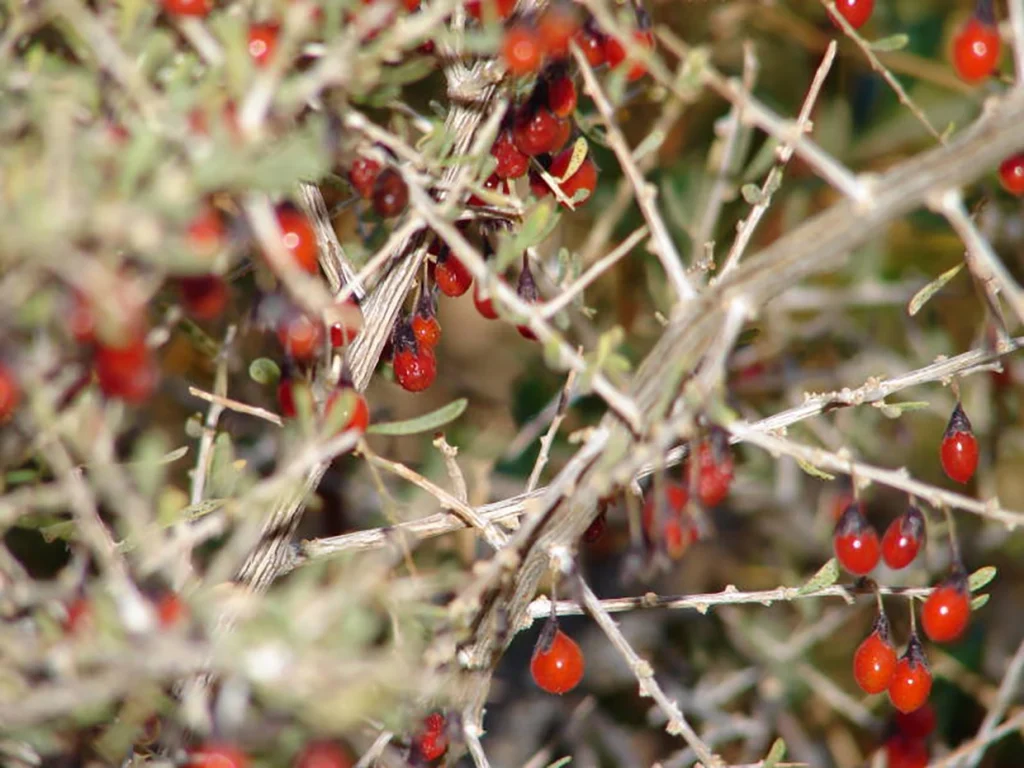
(263,42)
(918,724)
(535,131)
(493,183)
(127,371)
(431,746)
(527,291)
(415,365)
(10,392)
(500,8)
(298,238)
(904,752)
(556,27)
(323,754)
(557,665)
(855,542)
(596,528)
(301,336)
(346,321)
(562,96)
(579,187)
(902,539)
(390,193)
(170,610)
(363,175)
(715,467)
(856,12)
(424,323)
(433,723)
(615,53)
(217,756)
(484,304)
(451,276)
(204,297)
(348,409)
(521,49)
(591,42)
(188,7)
(1011,174)
(512,164)
(678,531)
(912,681)
(874,662)
(976,50)
(205,232)
(947,610)
(959,449)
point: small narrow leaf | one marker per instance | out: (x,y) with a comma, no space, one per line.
(775,754)
(892,43)
(982,577)
(921,298)
(895,410)
(425,423)
(264,371)
(813,471)
(979,601)
(561,762)
(752,194)
(826,576)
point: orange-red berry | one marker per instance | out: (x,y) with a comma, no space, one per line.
(127,371)
(583,179)
(918,724)
(556,27)
(874,662)
(298,238)
(188,7)
(390,193)
(170,610)
(959,450)
(10,392)
(263,42)
(591,42)
(536,131)
(905,752)
(557,665)
(415,365)
(512,164)
(323,754)
(348,409)
(451,275)
(715,467)
(217,756)
(912,682)
(976,50)
(615,53)
(902,539)
(856,12)
(947,610)
(204,296)
(855,542)
(1011,174)
(363,175)
(562,96)
(521,49)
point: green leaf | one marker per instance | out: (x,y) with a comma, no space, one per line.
(921,298)
(979,601)
(425,423)
(813,471)
(895,410)
(892,43)
(64,530)
(264,371)
(752,194)
(826,576)
(560,762)
(775,754)
(981,577)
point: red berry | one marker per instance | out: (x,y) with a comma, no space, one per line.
(170,610)
(500,8)
(912,681)
(363,175)
(206,232)
(856,12)
(902,539)
(451,276)
(298,238)
(492,182)
(188,7)
(263,42)
(715,473)
(918,724)
(323,754)
(415,366)
(904,752)
(959,450)
(563,131)
(975,50)
(431,746)
(390,194)
(947,610)
(556,27)
(127,371)
(346,319)
(855,542)
(521,49)
(434,722)
(484,304)
(1011,174)
(217,756)
(512,164)
(874,662)
(557,666)
(286,397)
(678,531)
(10,392)
(78,616)
(562,96)
(596,528)
(615,53)
(204,296)
(348,409)
(535,131)
(583,179)
(427,330)
(591,42)
(301,336)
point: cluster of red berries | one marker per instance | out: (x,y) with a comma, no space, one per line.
(382,185)
(876,668)
(431,742)
(907,744)
(316,754)
(557,664)
(171,611)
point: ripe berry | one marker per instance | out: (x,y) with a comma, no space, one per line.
(263,42)
(286,397)
(527,290)
(596,528)
(874,662)
(912,681)
(678,531)
(217,756)
(976,50)
(451,276)
(127,371)
(206,232)
(947,610)
(918,724)
(556,27)
(78,616)
(500,8)
(298,238)
(170,610)
(512,164)
(188,7)
(484,304)
(433,723)
(10,392)
(1011,174)
(591,42)
(562,96)
(431,746)
(424,323)
(583,179)
(615,53)
(959,450)
(902,539)
(390,194)
(348,409)
(301,336)
(855,542)
(363,175)
(715,472)
(203,296)
(415,365)
(904,752)
(535,131)
(323,754)
(492,182)
(856,12)
(557,663)
(521,49)
(346,321)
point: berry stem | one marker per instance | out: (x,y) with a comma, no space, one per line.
(954,541)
